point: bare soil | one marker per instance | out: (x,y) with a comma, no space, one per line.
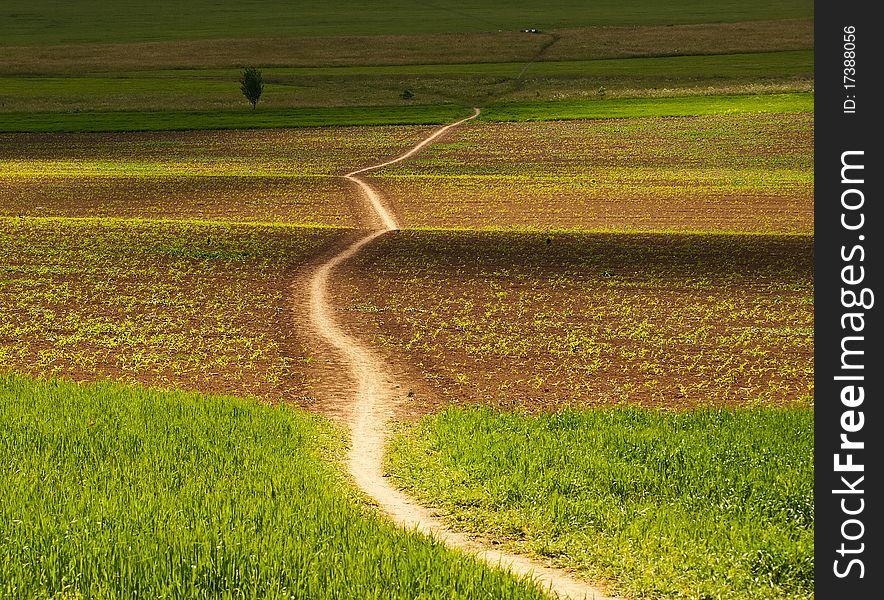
(540,321)
(725,173)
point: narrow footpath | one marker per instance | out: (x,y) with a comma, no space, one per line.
(375,395)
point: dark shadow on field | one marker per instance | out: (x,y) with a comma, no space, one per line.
(539,320)
(726,257)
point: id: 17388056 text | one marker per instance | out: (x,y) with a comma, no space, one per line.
(849,78)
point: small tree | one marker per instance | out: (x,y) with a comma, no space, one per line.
(251,84)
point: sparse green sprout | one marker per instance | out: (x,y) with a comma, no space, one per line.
(251,84)
(406,95)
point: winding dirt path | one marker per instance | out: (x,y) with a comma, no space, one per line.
(375,397)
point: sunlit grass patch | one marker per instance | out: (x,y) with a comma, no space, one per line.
(674,106)
(115,492)
(700,504)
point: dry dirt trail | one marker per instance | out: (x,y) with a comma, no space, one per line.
(375,395)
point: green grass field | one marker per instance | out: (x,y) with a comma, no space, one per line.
(466,84)
(119,121)
(228,119)
(698,504)
(692,105)
(116,492)
(88,67)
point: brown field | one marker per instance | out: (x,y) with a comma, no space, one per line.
(745,173)
(564,44)
(285,176)
(538,321)
(195,301)
(279,199)
(525,319)
(188,305)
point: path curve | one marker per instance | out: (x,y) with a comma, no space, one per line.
(377,395)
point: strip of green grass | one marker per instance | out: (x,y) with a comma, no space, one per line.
(115,492)
(403,115)
(466,83)
(218,89)
(229,119)
(700,504)
(682,106)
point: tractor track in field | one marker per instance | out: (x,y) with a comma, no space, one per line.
(374,396)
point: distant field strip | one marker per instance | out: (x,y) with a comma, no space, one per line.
(216,84)
(126,121)
(97,22)
(571,43)
(684,103)
(691,102)
(785,62)
(109,491)
(216,89)
(351,76)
